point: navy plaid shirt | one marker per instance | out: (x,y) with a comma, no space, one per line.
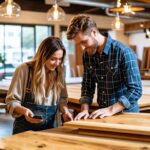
(116,74)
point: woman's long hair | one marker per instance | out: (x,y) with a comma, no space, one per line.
(56,78)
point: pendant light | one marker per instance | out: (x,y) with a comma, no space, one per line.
(55,13)
(126,8)
(117,24)
(9,9)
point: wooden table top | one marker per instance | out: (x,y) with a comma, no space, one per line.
(63,141)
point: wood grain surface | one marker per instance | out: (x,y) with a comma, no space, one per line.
(131,123)
(54,141)
(74,93)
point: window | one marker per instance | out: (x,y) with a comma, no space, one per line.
(18,44)
(70,50)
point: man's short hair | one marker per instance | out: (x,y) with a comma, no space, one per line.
(79,23)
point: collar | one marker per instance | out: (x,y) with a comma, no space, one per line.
(108,44)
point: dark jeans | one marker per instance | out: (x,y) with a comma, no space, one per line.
(46,112)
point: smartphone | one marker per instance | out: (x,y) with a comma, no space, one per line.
(37,117)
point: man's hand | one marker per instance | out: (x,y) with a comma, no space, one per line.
(108,111)
(101,113)
(83,114)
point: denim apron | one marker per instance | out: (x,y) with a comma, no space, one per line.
(46,112)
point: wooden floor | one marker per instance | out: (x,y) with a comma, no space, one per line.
(6,123)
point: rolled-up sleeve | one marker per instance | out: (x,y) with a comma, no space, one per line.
(132,79)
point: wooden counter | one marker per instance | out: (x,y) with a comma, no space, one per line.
(67,140)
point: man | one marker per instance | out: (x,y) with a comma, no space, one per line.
(108,64)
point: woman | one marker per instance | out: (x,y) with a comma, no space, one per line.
(38,89)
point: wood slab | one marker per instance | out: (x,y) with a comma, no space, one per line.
(95,133)
(54,141)
(131,123)
(74,93)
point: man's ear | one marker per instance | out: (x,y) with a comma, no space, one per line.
(94,32)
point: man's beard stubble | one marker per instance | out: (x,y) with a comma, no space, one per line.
(94,48)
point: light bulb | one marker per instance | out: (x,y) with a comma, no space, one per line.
(127,9)
(117,24)
(9,10)
(55,13)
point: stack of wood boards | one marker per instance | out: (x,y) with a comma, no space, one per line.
(131,126)
(74,93)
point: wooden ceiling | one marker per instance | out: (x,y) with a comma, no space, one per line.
(95,7)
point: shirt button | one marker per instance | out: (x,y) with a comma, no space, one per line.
(111,67)
(104,102)
(101,77)
(103,91)
(91,67)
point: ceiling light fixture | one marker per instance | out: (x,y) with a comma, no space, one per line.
(117,24)
(10,9)
(55,13)
(126,8)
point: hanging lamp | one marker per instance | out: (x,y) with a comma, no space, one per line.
(10,9)
(125,8)
(117,24)
(55,13)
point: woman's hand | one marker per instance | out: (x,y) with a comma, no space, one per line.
(67,116)
(29,116)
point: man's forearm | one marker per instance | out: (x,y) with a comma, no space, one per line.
(115,108)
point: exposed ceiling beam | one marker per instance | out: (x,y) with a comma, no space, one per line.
(136,27)
(143,15)
(91,3)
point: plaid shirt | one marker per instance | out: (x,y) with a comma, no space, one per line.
(115,72)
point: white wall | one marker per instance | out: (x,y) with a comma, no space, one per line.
(140,41)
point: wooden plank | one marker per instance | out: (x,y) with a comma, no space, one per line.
(95,133)
(115,135)
(74,93)
(130,123)
(47,141)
